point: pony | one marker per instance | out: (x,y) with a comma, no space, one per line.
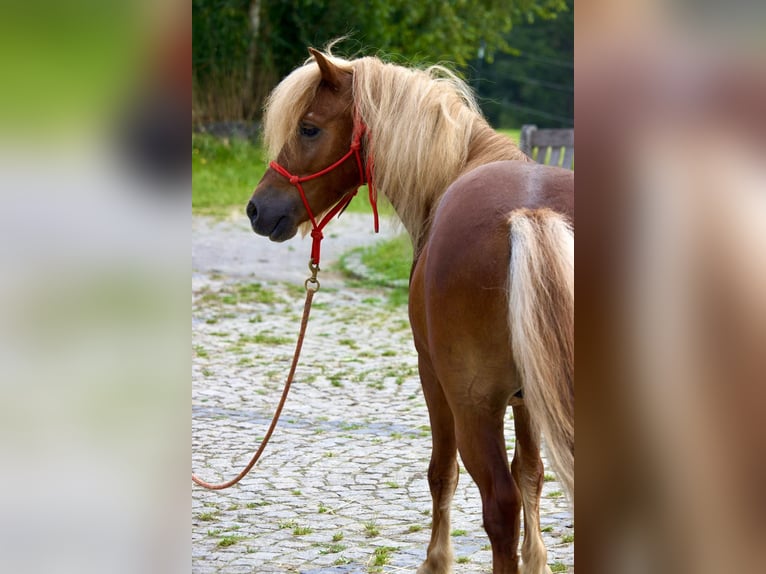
(491,299)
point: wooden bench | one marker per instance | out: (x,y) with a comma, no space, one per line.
(548,146)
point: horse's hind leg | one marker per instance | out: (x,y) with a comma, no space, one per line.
(527,469)
(442,472)
(481,443)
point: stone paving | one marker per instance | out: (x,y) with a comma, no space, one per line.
(342,485)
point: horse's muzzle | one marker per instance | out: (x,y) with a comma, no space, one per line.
(271,218)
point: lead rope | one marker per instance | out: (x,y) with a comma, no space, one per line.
(312,286)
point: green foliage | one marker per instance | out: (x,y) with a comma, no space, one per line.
(235,64)
(534,84)
(224,174)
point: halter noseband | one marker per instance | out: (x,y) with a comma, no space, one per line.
(365,176)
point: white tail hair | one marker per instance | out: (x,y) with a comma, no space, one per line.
(541,320)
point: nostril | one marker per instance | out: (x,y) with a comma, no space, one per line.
(252,211)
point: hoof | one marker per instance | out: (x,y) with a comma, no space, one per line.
(545,569)
(427,568)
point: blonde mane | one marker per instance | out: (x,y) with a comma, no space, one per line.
(424,130)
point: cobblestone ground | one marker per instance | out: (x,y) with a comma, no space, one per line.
(342,485)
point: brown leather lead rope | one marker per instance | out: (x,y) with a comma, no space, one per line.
(312,286)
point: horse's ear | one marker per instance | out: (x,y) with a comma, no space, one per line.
(331,74)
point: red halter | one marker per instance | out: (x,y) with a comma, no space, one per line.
(365,176)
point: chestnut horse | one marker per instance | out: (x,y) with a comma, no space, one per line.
(492,284)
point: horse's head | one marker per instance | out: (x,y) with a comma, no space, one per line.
(320,134)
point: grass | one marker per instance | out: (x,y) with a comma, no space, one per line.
(558,567)
(228,541)
(386,264)
(371,529)
(382,555)
(333,549)
(264,339)
(224,173)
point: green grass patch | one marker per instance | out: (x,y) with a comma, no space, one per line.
(229,540)
(302,530)
(224,173)
(385,264)
(558,567)
(285,524)
(236,295)
(256,293)
(333,549)
(382,555)
(264,339)
(371,529)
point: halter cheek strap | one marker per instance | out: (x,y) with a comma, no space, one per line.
(365,176)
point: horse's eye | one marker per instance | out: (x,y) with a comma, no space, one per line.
(309,131)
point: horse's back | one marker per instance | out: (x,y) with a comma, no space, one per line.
(508,185)
(459,302)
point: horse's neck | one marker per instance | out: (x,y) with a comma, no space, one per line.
(485,146)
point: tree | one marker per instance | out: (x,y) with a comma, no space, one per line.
(242,47)
(534,83)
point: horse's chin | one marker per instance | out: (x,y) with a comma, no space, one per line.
(284,229)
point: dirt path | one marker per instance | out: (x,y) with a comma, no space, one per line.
(232,249)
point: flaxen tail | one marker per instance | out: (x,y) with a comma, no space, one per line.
(541,319)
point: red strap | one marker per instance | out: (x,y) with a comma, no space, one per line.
(365,176)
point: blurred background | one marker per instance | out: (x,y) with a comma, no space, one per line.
(94,285)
